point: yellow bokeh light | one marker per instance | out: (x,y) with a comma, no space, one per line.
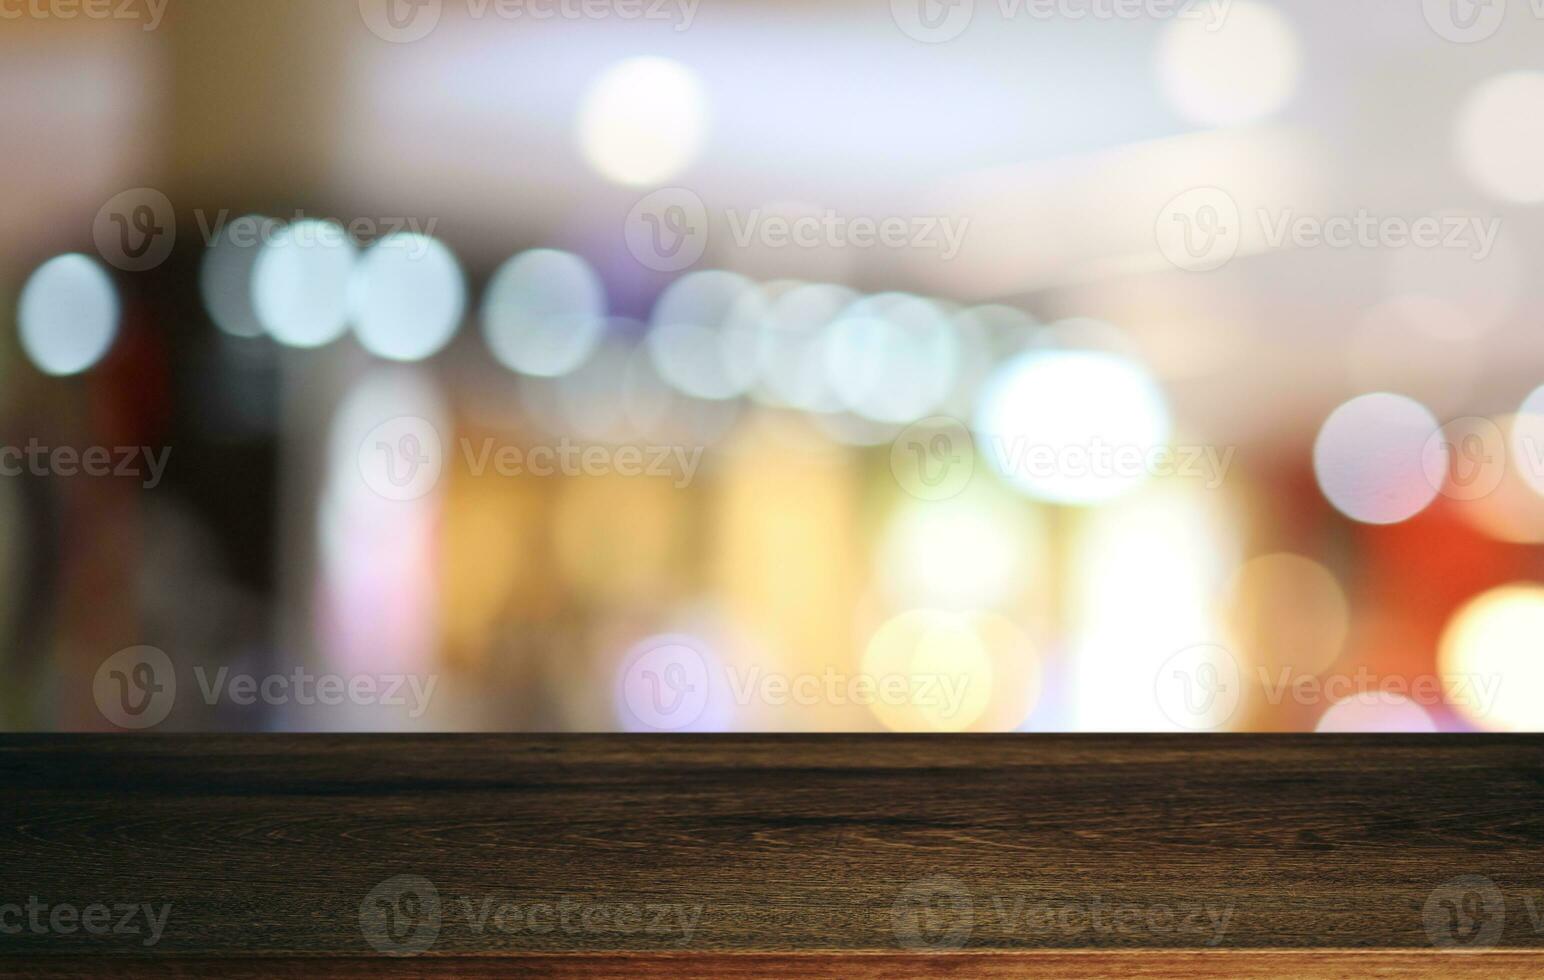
(1489,658)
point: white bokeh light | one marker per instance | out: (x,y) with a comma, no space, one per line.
(1071,427)
(1375,456)
(407,297)
(697,343)
(1375,712)
(543,313)
(300,283)
(1239,71)
(1500,136)
(642,121)
(892,357)
(68,314)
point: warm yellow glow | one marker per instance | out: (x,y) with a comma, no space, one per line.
(1491,658)
(932,670)
(1286,612)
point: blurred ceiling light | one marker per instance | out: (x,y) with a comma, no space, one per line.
(225,275)
(407,297)
(300,283)
(68,314)
(1375,712)
(642,121)
(543,313)
(1071,427)
(1489,662)
(891,357)
(978,550)
(699,347)
(1500,136)
(1284,611)
(1375,457)
(1236,72)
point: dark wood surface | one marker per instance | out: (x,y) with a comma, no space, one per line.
(887,846)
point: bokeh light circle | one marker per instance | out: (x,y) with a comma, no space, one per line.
(1236,71)
(543,313)
(68,314)
(1490,658)
(407,297)
(1372,457)
(642,121)
(300,283)
(1071,427)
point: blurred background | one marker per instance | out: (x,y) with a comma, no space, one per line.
(700,365)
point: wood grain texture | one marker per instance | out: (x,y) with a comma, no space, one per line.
(1036,964)
(293,846)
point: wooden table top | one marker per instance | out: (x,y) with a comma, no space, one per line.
(750,855)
